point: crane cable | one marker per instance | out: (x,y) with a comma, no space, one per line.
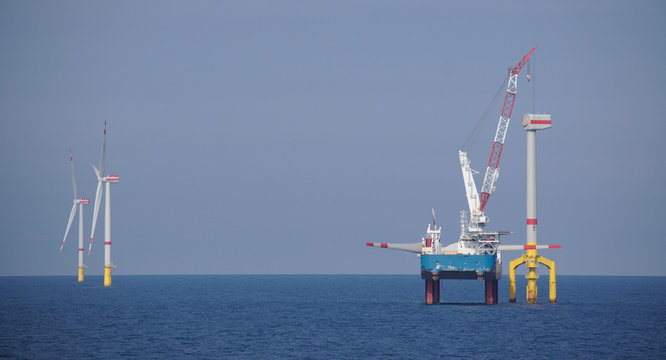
(530,78)
(473,136)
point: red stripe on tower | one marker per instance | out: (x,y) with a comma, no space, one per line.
(107,243)
(81,249)
(531,221)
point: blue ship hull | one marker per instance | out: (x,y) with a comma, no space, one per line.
(459,267)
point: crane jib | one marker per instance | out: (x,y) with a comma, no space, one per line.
(492,171)
(516,69)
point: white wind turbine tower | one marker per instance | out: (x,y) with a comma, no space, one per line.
(72,213)
(107,212)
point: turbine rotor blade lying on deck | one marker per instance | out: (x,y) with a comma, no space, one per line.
(527,247)
(411,247)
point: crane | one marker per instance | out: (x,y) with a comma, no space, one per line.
(492,171)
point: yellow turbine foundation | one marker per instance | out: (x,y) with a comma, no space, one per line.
(553,284)
(532,275)
(107,275)
(532,258)
(80,273)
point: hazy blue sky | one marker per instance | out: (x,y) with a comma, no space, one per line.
(281,136)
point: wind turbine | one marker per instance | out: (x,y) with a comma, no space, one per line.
(107,212)
(72,213)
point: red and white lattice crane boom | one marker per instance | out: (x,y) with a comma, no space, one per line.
(492,171)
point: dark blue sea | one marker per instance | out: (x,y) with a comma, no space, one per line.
(327,317)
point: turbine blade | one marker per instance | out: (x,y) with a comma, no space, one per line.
(99,176)
(411,247)
(98,196)
(527,247)
(434,224)
(102,160)
(69,224)
(73,176)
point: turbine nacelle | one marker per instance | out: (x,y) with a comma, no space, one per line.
(101,178)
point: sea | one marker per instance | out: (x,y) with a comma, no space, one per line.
(327,317)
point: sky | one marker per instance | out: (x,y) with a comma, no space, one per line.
(278,137)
